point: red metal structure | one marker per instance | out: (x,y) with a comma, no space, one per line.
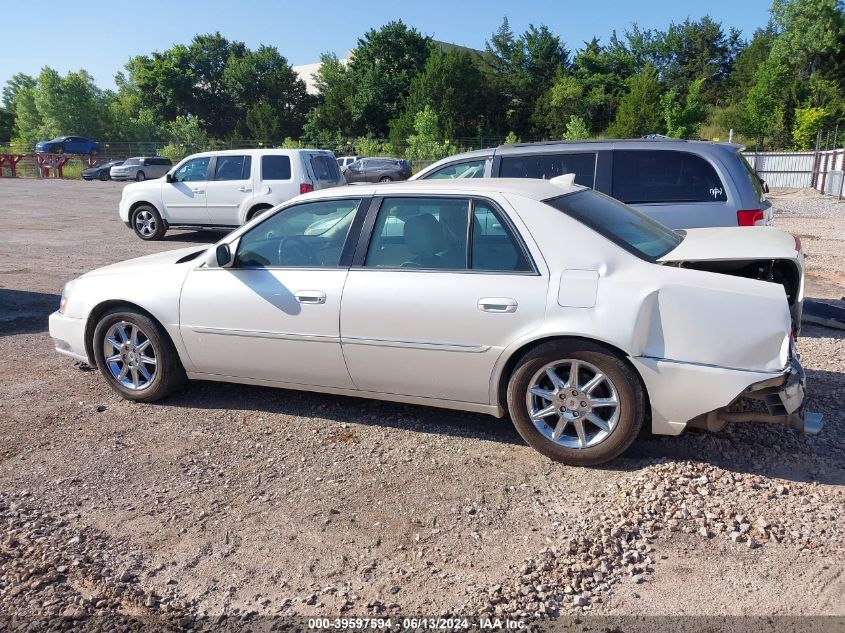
(47,165)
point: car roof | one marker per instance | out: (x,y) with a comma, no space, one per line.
(532,188)
(263,150)
(628,143)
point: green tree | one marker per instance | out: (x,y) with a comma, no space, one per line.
(427,141)
(7,125)
(380,71)
(263,86)
(808,122)
(764,104)
(262,121)
(683,120)
(453,85)
(331,115)
(18,82)
(189,80)
(564,100)
(520,72)
(576,129)
(640,110)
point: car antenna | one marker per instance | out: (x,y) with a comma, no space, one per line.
(564,180)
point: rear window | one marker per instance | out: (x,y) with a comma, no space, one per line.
(755,180)
(627,227)
(582,164)
(275,167)
(647,176)
(324,168)
(159,161)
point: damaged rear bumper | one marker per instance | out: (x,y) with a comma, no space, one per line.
(781,396)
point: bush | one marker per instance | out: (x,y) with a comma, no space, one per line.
(808,122)
(576,129)
(426,143)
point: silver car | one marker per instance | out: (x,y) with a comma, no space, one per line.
(141,168)
(682,184)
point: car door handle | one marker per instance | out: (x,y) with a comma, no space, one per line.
(497,304)
(198,190)
(244,189)
(311,296)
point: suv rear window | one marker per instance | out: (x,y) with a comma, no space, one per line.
(275,167)
(582,164)
(634,231)
(755,180)
(324,168)
(645,176)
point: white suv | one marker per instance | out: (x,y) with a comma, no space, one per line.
(224,189)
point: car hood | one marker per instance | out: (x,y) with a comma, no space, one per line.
(734,243)
(151,263)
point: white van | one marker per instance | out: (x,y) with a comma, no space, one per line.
(224,189)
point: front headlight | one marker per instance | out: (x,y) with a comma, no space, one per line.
(65,296)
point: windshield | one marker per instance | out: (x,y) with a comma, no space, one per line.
(627,227)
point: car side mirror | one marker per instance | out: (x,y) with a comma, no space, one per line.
(168,177)
(224,255)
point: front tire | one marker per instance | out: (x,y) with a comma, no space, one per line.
(147,223)
(576,402)
(136,357)
(385,179)
(140,176)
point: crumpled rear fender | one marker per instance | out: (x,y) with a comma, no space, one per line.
(743,325)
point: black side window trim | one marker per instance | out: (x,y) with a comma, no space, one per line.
(360,256)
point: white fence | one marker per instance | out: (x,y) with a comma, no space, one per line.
(818,170)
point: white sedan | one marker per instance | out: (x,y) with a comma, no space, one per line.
(577,316)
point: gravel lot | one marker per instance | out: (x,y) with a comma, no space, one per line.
(236,502)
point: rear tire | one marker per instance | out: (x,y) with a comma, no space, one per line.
(147,223)
(258,210)
(136,357)
(585,425)
(104,176)
(385,179)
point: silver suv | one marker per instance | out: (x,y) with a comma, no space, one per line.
(683,184)
(141,168)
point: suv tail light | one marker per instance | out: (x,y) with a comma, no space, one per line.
(797,243)
(749,217)
(305,187)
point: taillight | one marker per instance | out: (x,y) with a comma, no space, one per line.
(797,243)
(749,217)
(305,187)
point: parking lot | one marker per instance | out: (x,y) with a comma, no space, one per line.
(228,499)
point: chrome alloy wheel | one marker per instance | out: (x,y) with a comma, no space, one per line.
(572,403)
(145,223)
(130,355)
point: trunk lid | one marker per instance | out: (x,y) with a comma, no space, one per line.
(734,243)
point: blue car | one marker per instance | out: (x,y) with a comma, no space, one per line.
(68,145)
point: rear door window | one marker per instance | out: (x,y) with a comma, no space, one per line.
(546,166)
(494,247)
(324,168)
(654,176)
(232,168)
(275,167)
